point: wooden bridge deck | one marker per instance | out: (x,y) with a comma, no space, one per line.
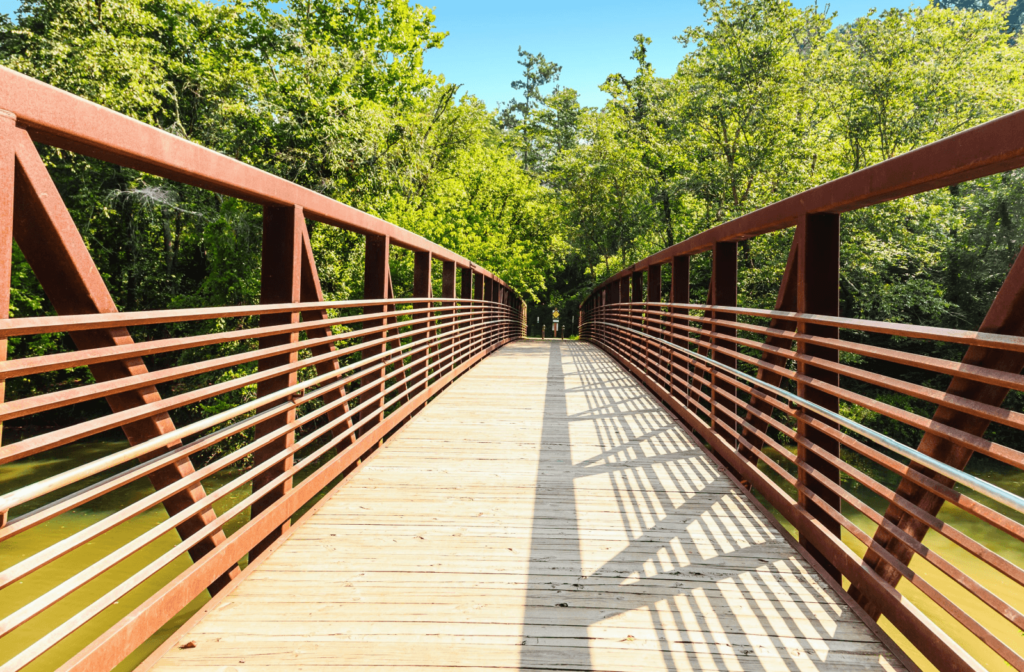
(543,513)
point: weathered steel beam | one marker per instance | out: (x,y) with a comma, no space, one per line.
(1005,316)
(818,293)
(54,248)
(376,285)
(60,119)
(280,282)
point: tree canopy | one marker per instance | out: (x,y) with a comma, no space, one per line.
(768,99)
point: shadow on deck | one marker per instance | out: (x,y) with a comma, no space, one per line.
(559,520)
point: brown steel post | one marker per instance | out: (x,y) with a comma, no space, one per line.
(466,293)
(422,288)
(448,280)
(376,281)
(54,248)
(680,293)
(478,287)
(681,281)
(488,332)
(7,130)
(448,273)
(654,313)
(478,293)
(613,298)
(636,318)
(280,282)
(654,284)
(818,294)
(638,287)
(626,315)
(723,293)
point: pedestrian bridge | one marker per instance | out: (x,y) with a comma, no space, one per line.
(561,520)
(403,480)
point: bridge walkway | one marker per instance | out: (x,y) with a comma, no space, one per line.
(561,520)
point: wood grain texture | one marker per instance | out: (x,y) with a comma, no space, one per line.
(543,513)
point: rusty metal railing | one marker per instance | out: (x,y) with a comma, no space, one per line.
(304,388)
(764,389)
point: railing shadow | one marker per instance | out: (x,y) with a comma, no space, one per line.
(682,551)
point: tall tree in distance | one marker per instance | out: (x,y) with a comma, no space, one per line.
(642,100)
(524,116)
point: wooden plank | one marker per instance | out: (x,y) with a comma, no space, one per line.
(558,520)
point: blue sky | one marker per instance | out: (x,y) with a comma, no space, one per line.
(589,39)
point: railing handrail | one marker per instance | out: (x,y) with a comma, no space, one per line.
(945,334)
(60,119)
(994,492)
(976,152)
(29,326)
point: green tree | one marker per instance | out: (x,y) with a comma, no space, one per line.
(523,116)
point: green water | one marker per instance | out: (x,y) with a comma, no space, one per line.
(1003,544)
(42,536)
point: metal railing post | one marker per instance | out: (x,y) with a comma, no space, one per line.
(478,294)
(376,279)
(723,293)
(626,316)
(465,293)
(818,293)
(652,313)
(422,288)
(680,293)
(280,282)
(448,277)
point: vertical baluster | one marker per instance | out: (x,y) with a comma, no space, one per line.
(604,313)
(422,288)
(488,332)
(376,279)
(448,272)
(636,314)
(818,293)
(625,317)
(654,313)
(280,282)
(478,295)
(723,293)
(466,293)
(680,294)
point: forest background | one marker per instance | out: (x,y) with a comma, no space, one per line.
(769,99)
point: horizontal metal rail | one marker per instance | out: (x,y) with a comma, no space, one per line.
(60,119)
(991,491)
